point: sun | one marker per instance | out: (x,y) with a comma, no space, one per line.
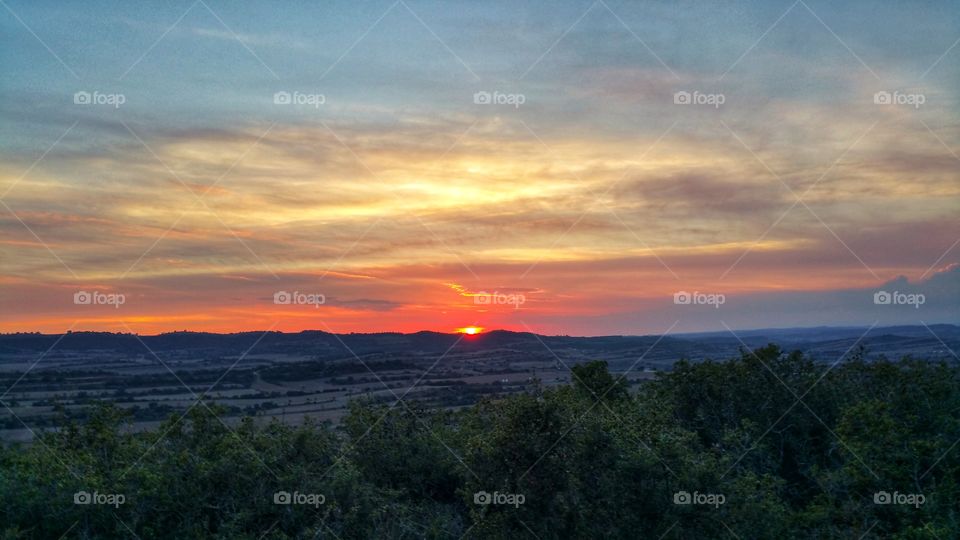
(470,330)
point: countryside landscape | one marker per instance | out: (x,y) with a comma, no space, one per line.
(469,270)
(290,377)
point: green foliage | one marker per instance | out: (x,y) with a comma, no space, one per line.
(594,380)
(795,449)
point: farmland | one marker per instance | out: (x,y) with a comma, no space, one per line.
(291,377)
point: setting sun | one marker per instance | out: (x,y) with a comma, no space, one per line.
(470,330)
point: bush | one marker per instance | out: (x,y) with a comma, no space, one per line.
(768,445)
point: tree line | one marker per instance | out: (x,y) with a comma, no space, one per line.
(765,445)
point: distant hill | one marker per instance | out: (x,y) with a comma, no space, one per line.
(824,343)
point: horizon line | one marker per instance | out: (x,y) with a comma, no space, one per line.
(484,332)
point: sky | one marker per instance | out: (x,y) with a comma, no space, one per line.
(580,168)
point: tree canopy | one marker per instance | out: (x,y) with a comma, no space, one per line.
(767,445)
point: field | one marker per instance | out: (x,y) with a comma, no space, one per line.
(291,377)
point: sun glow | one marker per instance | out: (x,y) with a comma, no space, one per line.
(470,330)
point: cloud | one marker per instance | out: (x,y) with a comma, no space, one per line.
(599,193)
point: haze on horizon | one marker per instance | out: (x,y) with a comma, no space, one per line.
(388,186)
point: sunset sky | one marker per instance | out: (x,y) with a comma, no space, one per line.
(590,195)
